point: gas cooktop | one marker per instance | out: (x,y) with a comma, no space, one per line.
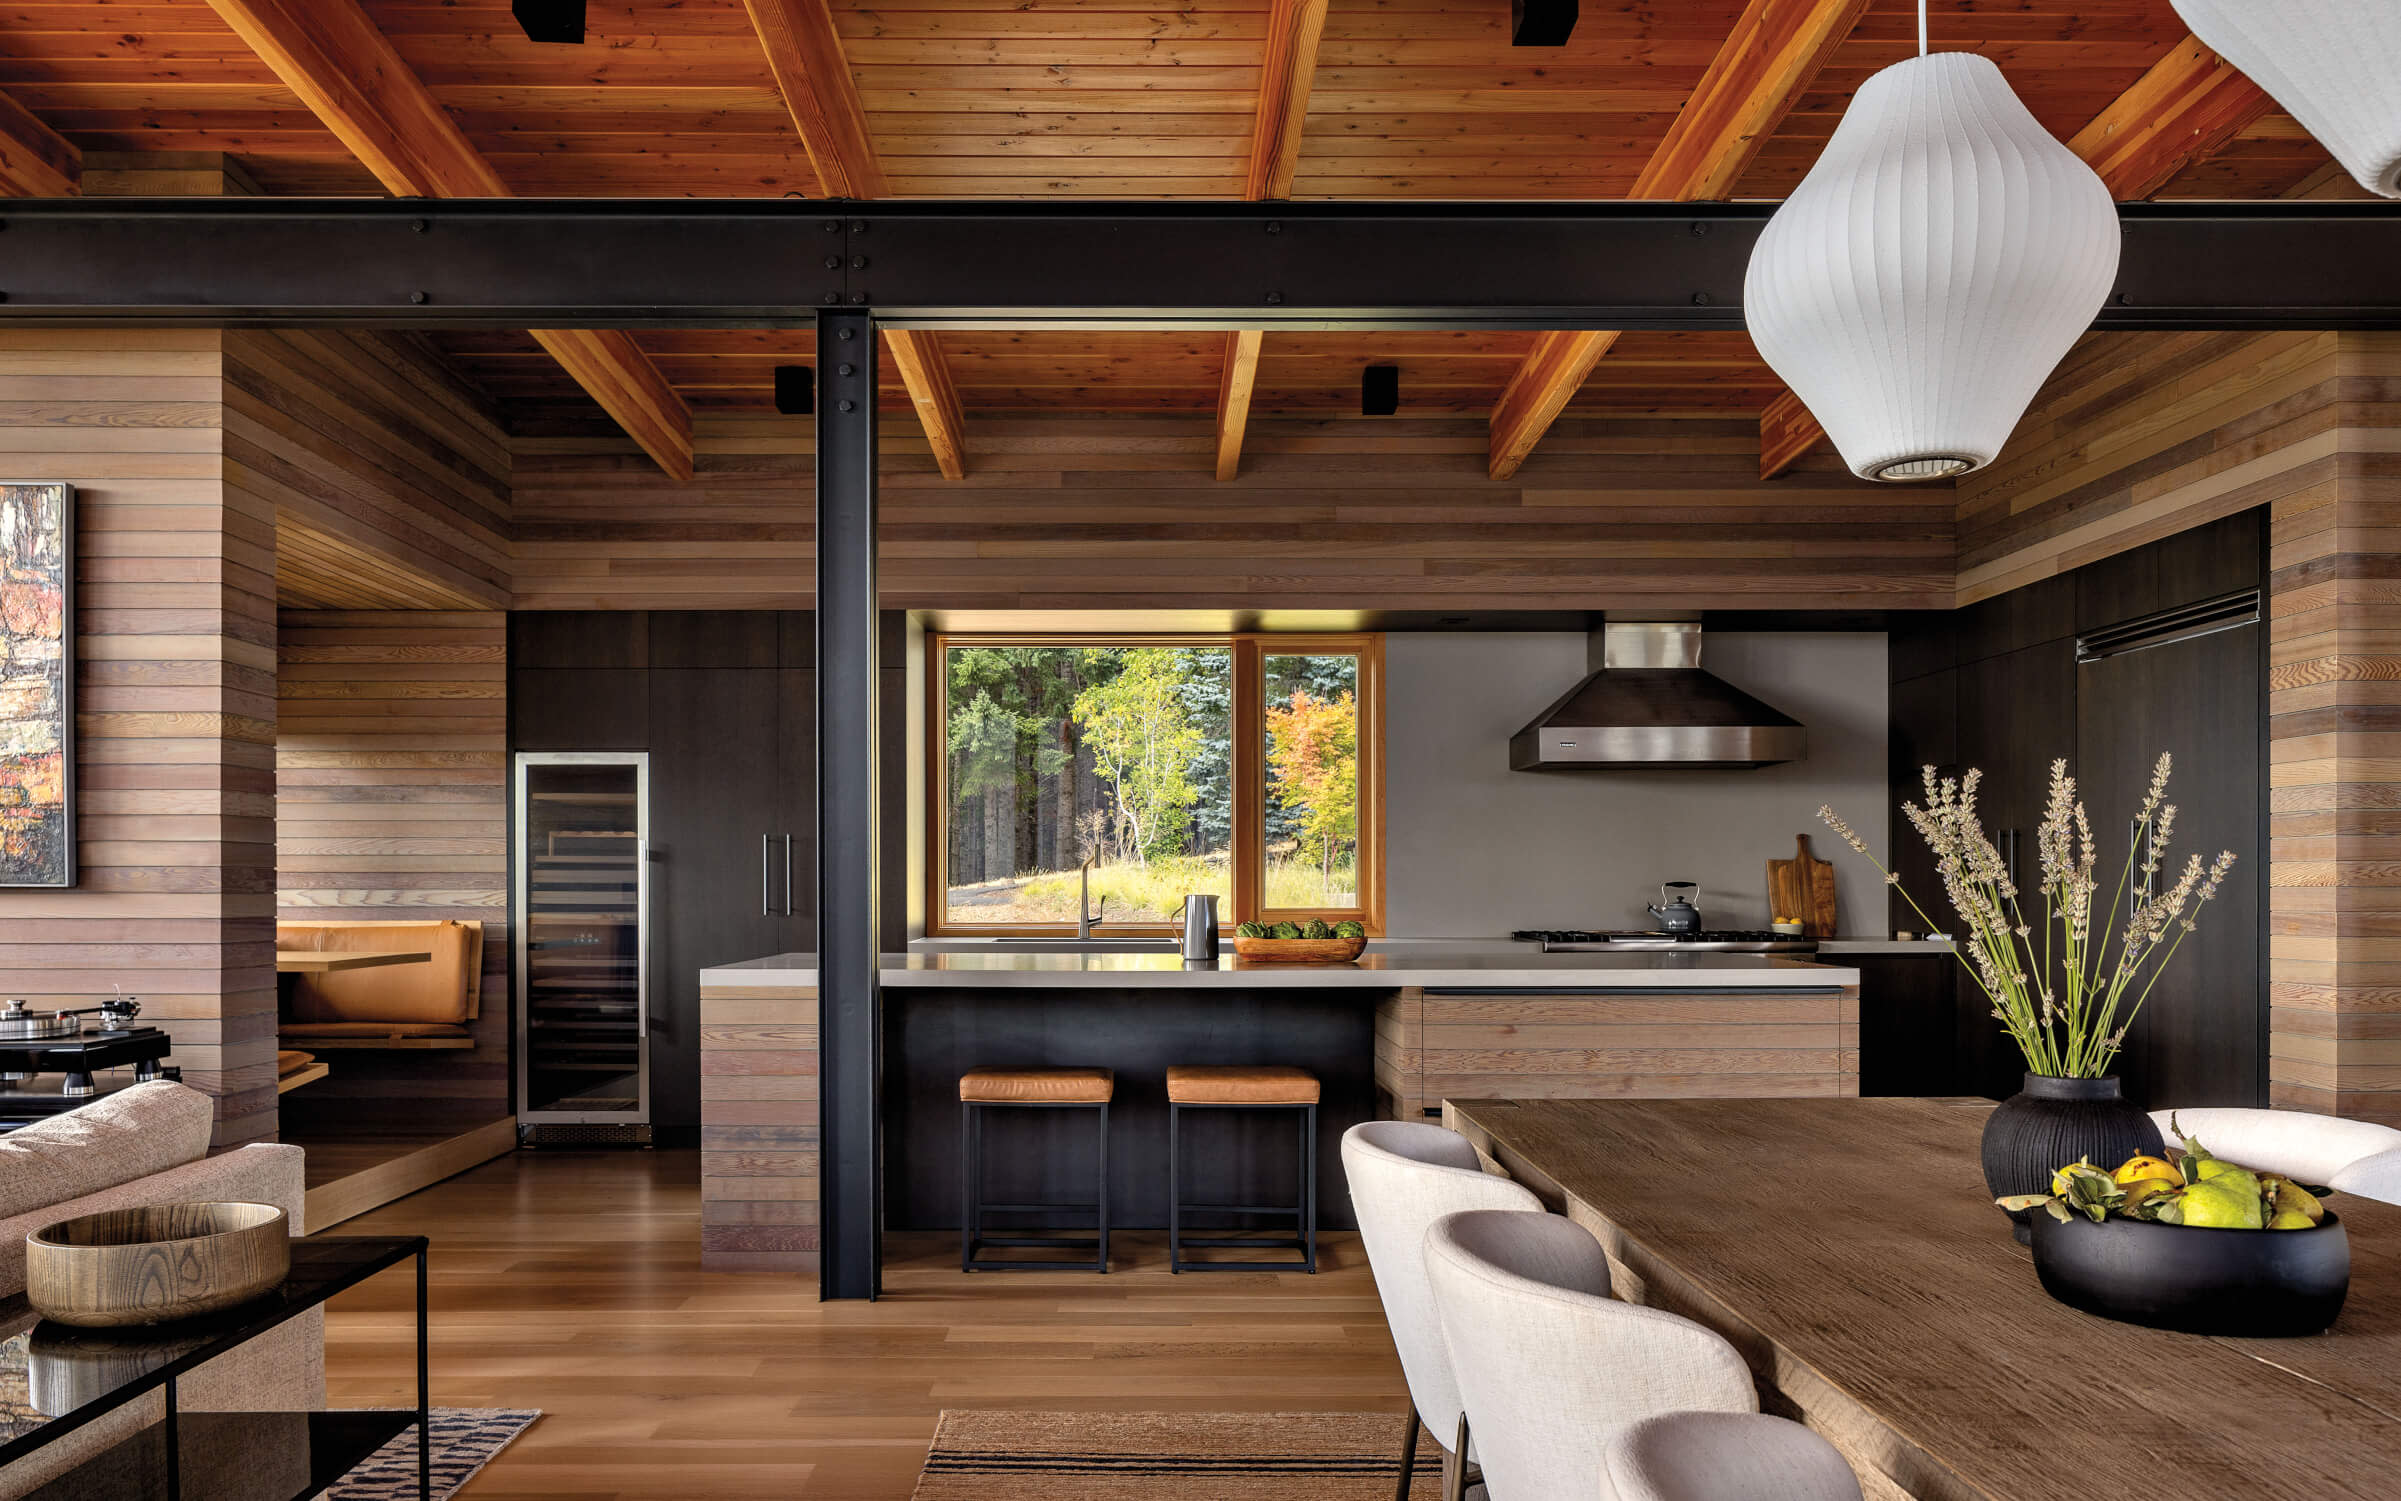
(1708,940)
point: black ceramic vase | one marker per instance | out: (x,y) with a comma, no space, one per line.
(2052,1122)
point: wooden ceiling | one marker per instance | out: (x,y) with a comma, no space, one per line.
(1046,98)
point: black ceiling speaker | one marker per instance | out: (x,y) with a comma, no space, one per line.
(1379,390)
(1541,23)
(551,20)
(795,390)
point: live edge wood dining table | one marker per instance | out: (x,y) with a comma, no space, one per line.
(1847,1248)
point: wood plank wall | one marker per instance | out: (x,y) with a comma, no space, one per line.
(1125,512)
(2139,436)
(175,723)
(758,1129)
(2334,697)
(391,802)
(389,476)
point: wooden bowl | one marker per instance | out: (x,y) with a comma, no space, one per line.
(155,1264)
(1300,950)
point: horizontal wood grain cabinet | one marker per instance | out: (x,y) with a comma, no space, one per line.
(1433,1044)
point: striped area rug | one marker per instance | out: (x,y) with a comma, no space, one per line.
(1172,1456)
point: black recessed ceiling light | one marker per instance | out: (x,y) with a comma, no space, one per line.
(1379,390)
(551,20)
(795,390)
(1541,23)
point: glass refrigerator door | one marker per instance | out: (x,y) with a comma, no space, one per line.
(581,821)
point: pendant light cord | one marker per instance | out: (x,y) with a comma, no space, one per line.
(1921,28)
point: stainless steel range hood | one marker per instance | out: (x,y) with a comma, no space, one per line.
(1648,706)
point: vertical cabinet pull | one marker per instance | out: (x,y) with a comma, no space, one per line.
(2009,854)
(766,875)
(787,875)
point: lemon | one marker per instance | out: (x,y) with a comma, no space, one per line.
(2290,1219)
(2136,1169)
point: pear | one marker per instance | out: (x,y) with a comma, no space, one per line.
(2291,1219)
(2292,1198)
(2222,1204)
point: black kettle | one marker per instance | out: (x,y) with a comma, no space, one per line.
(1679,916)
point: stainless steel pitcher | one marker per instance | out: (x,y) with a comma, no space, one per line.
(1200,927)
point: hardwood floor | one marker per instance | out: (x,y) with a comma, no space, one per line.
(571,1282)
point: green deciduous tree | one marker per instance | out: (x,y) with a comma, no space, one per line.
(1140,730)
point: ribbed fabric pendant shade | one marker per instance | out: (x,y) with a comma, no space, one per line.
(2335,66)
(1930,271)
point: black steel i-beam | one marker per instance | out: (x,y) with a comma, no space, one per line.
(700,263)
(849,1009)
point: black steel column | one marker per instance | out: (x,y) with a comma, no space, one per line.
(850,1036)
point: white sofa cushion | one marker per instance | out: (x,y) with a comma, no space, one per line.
(139,1130)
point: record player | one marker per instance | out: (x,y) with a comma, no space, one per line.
(62,1042)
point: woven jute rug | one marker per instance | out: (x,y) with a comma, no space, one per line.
(1172,1456)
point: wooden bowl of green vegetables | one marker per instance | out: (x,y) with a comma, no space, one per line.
(1316,942)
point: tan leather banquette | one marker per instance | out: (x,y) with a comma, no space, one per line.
(389,1005)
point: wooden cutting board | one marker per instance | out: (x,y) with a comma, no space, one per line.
(1802,887)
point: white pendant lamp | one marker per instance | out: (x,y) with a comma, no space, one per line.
(2334,65)
(1930,271)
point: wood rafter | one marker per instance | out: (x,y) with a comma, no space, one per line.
(1773,55)
(927,376)
(1234,389)
(2179,113)
(804,51)
(35,161)
(330,53)
(1287,66)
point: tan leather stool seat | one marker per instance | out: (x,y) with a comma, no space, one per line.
(1037,1086)
(1241,1084)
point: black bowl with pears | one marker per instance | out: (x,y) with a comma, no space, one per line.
(2191,1242)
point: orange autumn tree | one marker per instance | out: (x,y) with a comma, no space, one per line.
(1313,745)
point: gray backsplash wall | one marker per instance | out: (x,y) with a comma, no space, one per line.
(1476,849)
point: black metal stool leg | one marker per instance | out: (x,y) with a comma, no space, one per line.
(968,1191)
(1309,1191)
(1100,1197)
(1175,1189)
(1408,1455)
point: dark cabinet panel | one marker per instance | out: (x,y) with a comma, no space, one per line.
(2204,563)
(796,807)
(715,868)
(2202,1036)
(713,639)
(1907,1027)
(579,638)
(1924,732)
(2039,612)
(577,710)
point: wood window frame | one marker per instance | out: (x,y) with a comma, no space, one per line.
(1249,728)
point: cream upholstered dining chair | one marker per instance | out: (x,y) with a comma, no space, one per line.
(2297,1143)
(1726,1456)
(2375,1176)
(1404,1175)
(1550,1367)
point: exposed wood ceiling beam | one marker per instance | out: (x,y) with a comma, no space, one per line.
(330,53)
(922,369)
(1234,388)
(2181,112)
(35,161)
(1294,28)
(1774,53)
(804,51)
(1287,67)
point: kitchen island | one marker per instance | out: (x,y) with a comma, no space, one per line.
(1390,1036)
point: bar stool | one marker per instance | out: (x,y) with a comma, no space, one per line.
(982,1089)
(1242,1088)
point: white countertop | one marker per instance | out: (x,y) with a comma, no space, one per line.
(1431,964)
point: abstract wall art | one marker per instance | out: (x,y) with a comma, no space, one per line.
(37,684)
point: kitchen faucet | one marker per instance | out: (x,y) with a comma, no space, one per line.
(1085,917)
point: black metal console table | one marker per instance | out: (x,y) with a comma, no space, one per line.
(56,1379)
